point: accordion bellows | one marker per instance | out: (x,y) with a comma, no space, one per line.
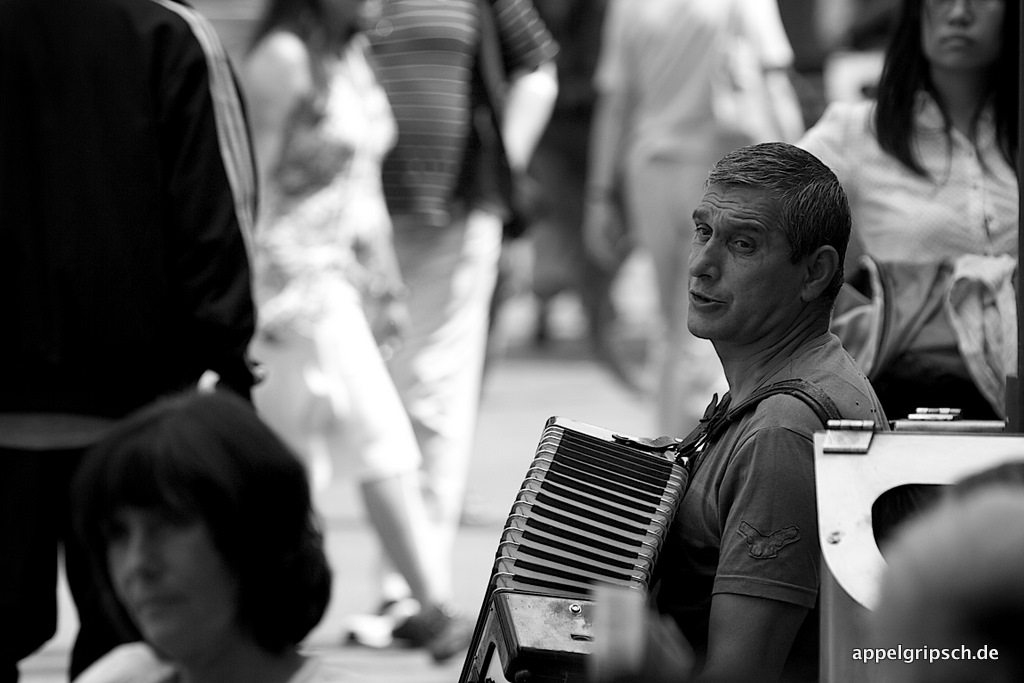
(594,508)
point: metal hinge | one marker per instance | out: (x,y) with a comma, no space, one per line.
(848,436)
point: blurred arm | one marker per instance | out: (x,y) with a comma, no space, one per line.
(210,194)
(277,76)
(763,24)
(530,99)
(787,112)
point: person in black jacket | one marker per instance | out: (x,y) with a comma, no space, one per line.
(126,196)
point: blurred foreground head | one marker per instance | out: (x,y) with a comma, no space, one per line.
(955,588)
(202,472)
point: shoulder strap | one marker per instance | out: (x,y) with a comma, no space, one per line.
(694,448)
(811,394)
(720,415)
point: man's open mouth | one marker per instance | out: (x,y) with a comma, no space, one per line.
(701,298)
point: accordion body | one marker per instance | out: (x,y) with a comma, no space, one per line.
(594,509)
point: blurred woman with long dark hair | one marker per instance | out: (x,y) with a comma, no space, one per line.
(930,172)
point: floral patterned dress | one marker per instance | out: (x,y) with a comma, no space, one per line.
(325,230)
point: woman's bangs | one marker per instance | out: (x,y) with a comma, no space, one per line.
(147,474)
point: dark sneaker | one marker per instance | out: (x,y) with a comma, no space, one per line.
(438,630)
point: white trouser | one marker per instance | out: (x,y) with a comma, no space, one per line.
(328,394)
(662,194)
(450,274)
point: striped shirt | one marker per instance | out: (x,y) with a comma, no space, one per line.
(425,51)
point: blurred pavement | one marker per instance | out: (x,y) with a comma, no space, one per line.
(525,387)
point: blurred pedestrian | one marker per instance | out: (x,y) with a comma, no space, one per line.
(561,263)
(930,169)
(327,280)
(447,222)
(667,109)
(126,202)
(223,587)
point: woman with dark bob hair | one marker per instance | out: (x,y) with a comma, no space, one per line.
(930,172)
(200,524)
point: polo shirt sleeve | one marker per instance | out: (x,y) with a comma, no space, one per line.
(769,532)
(526,42)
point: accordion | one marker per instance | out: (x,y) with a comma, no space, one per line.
(594,509)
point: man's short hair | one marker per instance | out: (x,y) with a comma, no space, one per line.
(812,209)
(208,457)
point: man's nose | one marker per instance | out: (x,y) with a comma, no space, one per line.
(703,259)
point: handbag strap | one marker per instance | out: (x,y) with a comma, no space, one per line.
(490,65)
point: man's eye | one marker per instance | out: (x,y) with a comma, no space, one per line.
(701,233)
(743,244)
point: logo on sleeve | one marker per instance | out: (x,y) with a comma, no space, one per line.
(766,546)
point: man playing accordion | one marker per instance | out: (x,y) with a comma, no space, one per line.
(739,570)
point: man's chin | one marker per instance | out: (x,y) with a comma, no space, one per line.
(698,330)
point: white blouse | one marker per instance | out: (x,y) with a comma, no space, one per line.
(967,206)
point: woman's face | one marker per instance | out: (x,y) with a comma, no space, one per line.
(173,582)
(962,35)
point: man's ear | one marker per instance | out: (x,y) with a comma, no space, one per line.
(821,266)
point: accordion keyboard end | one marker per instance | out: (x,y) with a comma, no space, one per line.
(594,509)
(524,630)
